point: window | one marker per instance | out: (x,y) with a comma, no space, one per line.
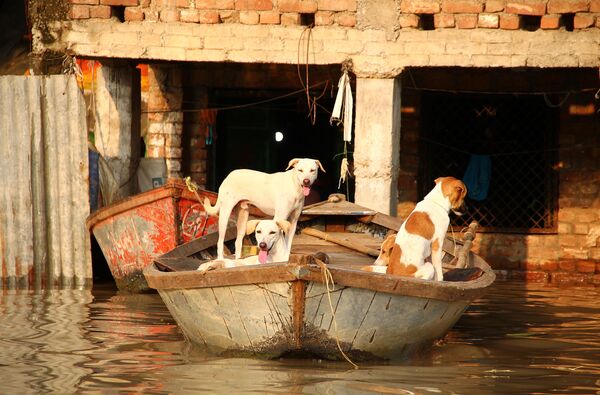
(517,134)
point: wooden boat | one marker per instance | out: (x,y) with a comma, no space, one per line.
(274,309)
(134,231)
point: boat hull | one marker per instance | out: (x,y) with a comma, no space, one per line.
(258,320)
(133,232)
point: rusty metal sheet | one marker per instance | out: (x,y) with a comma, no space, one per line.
(44,194)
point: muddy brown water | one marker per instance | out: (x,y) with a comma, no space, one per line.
(520,339)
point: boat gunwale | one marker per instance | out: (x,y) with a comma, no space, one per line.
(306,270)
(173,188)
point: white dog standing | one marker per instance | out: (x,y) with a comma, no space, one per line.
(270,238)
(280,195)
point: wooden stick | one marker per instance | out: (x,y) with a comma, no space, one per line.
(463,255)
(353,246)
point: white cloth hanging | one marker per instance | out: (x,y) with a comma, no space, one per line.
(343,107)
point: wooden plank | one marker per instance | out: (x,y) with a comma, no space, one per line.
(299,304)
(200,244)
(340,241)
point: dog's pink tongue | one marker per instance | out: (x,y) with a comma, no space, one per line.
(305,190)
(262,256)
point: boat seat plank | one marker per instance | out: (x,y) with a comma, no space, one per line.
(177,264)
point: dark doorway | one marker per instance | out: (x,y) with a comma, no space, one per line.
(266,136)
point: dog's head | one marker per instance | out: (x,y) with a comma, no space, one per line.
(456,191)
(267,232)
(306,171)
(386,250)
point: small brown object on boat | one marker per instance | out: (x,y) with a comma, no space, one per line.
(323,257)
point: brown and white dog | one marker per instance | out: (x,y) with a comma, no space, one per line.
(270,238)
(422,235)
(280,195)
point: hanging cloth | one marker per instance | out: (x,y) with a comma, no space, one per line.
(208,120)
(343,107)
(477,176)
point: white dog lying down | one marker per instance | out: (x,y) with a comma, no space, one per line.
(422,235)
(270,238)
(280,195)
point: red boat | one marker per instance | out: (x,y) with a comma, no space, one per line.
(135,231)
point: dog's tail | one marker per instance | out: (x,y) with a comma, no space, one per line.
(211,210)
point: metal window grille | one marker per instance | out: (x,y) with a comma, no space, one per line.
(517,134)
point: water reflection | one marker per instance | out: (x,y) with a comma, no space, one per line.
(519,339)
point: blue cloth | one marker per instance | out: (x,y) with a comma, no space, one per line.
(477,177)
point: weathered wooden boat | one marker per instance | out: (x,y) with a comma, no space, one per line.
(307,306)
(135,230)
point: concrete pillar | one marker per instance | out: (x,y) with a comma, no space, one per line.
(377,143)
(116,109)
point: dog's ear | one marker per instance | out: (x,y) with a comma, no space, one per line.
(438,180)
(292,163)
(284,225)
(251,226)
(320,165)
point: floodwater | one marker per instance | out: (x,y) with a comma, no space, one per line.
(520,339)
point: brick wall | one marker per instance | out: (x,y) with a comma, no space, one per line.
(248,12)
(572,255)
(164,116)
(419,14)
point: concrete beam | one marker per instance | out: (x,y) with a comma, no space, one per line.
(377,143)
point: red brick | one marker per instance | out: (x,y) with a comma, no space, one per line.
(88,2)
(494,5)
(79,12)
(586,267)
(537,277)
(595,279)
(209,17)
(548,266)
(145,3)
(346,20)
(127,3)
(290,18)
(420,6)
(526,7)
(409,20)
(442,20)
(169,15)
(583,21)
(337,5)
(249,17)
(595,6)
(215,4)
(466,21)
(570,279)
(149,15)
(567,6)
(254,5)
(323,18)
(100,11)
(553,22)
(462,6)
(183,3)
(567,265)
(270,18)
(188,16)
(488,21)
(301,6)
(134,14)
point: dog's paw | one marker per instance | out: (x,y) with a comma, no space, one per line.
(205,267)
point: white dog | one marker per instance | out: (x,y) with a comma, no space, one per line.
(280,195)
(270,238)
(422,234)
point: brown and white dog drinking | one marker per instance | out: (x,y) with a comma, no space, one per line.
(416,250)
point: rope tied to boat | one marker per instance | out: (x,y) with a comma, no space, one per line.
(327,280)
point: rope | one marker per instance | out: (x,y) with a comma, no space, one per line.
(192,187)
(328,279)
